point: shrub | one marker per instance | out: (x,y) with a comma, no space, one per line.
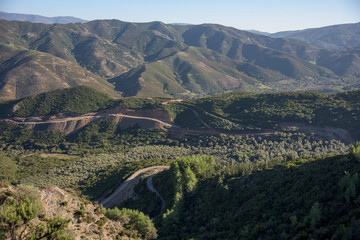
(133,219)
(354,151)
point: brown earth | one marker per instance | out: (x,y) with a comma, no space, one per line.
(124,118)
(57,202)
(159,118)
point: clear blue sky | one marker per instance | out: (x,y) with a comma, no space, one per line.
(263,15)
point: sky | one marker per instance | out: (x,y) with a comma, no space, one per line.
(263,15)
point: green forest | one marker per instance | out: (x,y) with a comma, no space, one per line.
(236,173)
(294,199)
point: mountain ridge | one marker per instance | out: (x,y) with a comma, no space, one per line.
(330,37)
(39,18)
(179,60)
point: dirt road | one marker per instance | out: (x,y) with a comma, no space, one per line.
(153,189)
(126,189)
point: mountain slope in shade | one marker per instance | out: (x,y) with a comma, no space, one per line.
(230,41)
(39,18)
(26,72)
(344,62)
(330,37)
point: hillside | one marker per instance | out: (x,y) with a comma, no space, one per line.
(26,72)
(192,72)
(178,131)
(27,213)
(160,59)
(303,199)
(330,37)
(58,101)
(344,62)
(229,156)
(243,112)
(236,112)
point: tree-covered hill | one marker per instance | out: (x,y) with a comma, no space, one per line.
(243,111)
(81,99)
(302,199)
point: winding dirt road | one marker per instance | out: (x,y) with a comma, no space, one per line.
(153,189)
(126,188)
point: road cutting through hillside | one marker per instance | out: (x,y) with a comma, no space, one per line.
(87,116)
(126,189)
(65,124)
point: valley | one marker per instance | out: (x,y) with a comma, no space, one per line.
(123,130)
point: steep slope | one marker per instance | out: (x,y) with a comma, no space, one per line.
(302,199)
(160,59)
(230,41)
(344,62)
(26,72)
(198,71)
(330,37)
(284,63)
(56,214)
(135,44)
(192,72)
(169,31)
(105,47)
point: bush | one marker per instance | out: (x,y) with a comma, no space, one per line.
(354,151)
(133,219)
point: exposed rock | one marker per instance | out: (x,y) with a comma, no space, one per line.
(124,118)
(87,219)
(56,201)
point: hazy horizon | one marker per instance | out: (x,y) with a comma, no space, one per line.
(260,15)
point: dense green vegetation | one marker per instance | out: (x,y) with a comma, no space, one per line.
(211,176)
(145,201)
(58,163)
(134,220)
(81,99)
(98,137)
(63,100)
(248,111)
(306,199)
(57,101)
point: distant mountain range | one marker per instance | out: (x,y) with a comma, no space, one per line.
(157,59)
(331,37)
(38,18)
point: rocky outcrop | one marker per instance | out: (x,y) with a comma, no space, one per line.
(84,215)
(87,220)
